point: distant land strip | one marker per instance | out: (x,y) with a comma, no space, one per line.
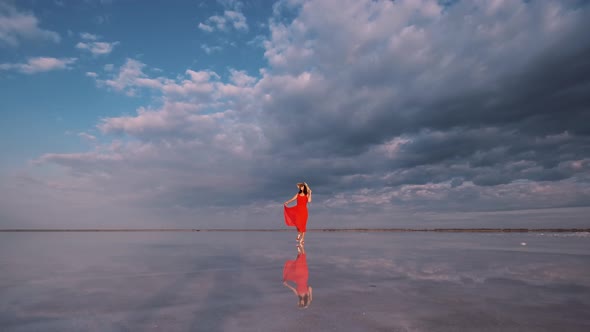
(454,230)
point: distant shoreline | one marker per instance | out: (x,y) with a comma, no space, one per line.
(377,230)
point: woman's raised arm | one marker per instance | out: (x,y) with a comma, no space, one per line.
(291,200)
(290,287)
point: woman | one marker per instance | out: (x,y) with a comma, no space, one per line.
(297,215)
(296,271)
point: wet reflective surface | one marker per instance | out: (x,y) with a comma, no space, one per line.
(236,282)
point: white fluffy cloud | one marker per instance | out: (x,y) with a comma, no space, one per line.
(88,36)
(130,77)
(97,48)
(205,27)
(92,45)
(230,18)
(17,26)
(39,64)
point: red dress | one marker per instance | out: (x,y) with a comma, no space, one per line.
(297,272)
(297,215)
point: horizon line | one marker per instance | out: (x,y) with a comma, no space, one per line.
(474,230)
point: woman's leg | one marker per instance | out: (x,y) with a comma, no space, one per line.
(302,237)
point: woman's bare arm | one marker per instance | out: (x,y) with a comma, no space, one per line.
(291,287)
(309,197)
(291,200)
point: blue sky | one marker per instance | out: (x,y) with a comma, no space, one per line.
(46,107)
(206,114)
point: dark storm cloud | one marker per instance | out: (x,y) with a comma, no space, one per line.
(533,91)
(547,97)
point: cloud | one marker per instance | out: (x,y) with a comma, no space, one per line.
(210,49)
(399,71)
(233,18)
(16,26)
(205,27)
(95,47)
(384,90)
(87,136)
(392,111)
(257,41)
(237,19)
(130,77)
(39,64)
(241,78)
(88,36)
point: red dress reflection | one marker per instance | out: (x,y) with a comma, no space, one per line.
(296,271)
(297,215)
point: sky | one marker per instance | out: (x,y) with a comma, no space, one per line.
(205,114)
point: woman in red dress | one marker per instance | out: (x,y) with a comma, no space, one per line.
(297,215)
(296,271)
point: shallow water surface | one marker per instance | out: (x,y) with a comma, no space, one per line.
(232,281)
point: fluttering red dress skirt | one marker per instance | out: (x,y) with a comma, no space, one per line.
(296,271)
(297,215)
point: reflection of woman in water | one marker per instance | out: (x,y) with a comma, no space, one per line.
(297,215)
(296,272)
